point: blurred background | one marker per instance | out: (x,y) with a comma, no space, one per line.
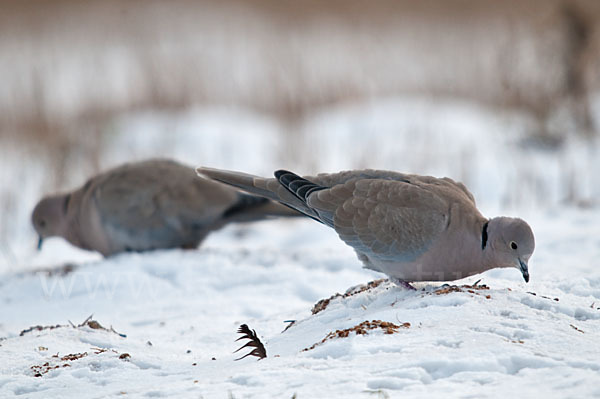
(502,95)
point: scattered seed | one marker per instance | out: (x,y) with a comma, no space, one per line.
(361,329)
(323,303)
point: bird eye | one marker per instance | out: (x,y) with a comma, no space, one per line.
(513,245)
(42,223)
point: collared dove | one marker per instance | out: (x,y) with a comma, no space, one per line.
(147,205)
(410,227)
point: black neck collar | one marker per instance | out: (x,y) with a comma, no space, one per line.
(484,235)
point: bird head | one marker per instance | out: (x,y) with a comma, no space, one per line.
(511,244)
(49,216)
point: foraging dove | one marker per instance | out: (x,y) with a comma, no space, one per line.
(410,227)
(147,205)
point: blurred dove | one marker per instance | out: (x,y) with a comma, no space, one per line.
(410,227)
(144,206)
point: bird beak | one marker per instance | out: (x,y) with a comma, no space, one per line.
(40,241)
(524,270)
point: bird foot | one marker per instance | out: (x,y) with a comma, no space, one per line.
(402,284)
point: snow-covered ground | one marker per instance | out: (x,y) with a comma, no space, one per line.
(179,310)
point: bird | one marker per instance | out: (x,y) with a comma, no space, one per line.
(146,205)
(410,227)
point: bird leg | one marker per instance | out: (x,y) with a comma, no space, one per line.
(402,283)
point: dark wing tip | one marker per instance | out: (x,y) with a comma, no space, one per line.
(286,177)
(280,172)
(297,185)
(300,188)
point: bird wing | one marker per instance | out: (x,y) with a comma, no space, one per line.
(157,204)
(392,219)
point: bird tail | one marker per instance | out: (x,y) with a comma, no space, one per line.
(264,187)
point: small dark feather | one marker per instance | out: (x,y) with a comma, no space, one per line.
(254,342)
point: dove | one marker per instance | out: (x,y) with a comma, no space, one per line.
(412,228)
(147,205)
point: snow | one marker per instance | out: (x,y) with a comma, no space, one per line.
(179,309)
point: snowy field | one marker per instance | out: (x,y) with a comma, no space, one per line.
(169,318)
(180,311)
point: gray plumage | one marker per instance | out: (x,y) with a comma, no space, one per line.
(147,205)
(410,227)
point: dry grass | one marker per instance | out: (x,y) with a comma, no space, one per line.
(74,64)
(69,68)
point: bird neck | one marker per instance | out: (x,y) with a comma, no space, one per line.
(490,254)
(480,258)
